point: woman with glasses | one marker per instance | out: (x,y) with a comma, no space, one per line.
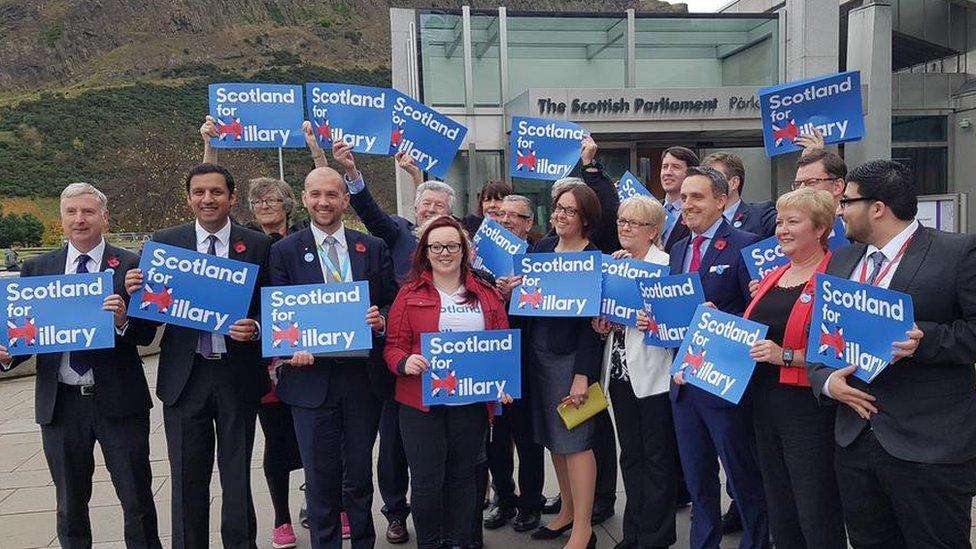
(443,444)
(564,359)
(638,380)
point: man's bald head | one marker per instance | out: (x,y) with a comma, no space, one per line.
(324,174)
(325,197)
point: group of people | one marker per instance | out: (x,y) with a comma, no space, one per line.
(813,457)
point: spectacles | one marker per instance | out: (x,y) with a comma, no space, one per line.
(801,183)
(506,215)
(626,223)
(268,202)
(438,248)
(568,212)
(845,201)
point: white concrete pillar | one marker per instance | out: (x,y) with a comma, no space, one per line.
(869,51)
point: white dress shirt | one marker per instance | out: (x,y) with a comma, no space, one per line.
(342,250)
(65,374)
(222,248)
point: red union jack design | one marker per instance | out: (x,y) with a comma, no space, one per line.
(233,129)
(161,299)
(788,132)
(291,335)
(533,298)
(692,359)
(652,325)
(322,130)
(830,340)
(525,160)
(26,333)
(449,383)
(396,137)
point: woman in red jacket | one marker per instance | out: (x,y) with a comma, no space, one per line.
(443,444)
(795,432)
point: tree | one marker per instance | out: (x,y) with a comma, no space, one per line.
(24,229)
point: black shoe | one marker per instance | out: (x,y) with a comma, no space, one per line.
(600,516)
(731,521)
(499,516)
(545,533)
(553,505)
(592,542)
(303,517)
(397,533)
(526,520)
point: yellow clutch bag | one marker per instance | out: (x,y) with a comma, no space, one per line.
(596,402)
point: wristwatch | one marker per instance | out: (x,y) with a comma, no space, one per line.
(788,357)
(593,164)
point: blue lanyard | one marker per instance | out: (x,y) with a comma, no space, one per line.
(338,273)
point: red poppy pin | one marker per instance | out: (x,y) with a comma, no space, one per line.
(112,261)
(360,247)
(740,217)
(720,244)
(240,247)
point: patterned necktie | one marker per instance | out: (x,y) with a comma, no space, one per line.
(696,254)
(333,254)
(205,339)
(876,259)
(79,361)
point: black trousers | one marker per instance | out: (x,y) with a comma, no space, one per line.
(515,426)
(210,413)
(795,443)
(605,454)
(648,465)
(336,442)
(69,444)
(444,448)
(892,503)
(393,477)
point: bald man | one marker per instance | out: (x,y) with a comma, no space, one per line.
(334,399)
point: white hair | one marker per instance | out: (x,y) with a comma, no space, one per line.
(78,189)
(565,183)
(436,186)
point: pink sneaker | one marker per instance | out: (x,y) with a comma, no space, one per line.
(283,537)
(346,530)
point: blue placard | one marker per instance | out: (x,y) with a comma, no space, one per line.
(766,256)
(558,284)
(496,246)
(621,297)
(856,323)
(545,149)
(670,303)
(250,116)
(428,136)
(629,186)
(358,115)
(829,103)
(191,289)
(468,367)
(318,318)
(715,354)
(53,314)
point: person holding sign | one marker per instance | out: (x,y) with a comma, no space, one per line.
(674,168)
(336,412)
(757,218)
(906,444)
(98,395)
(795,433)
(637,378)
(444,444)
(707,427)
(211,384)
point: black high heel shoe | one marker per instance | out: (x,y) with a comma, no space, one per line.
(592,543)
(546,533)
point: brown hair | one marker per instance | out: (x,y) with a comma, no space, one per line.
(421,263)
(732,163)
(683,154)
(587,203)
(833,164)
(493,190)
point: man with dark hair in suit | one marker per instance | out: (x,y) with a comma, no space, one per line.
(758,218)
(906,443)
(334,400)
(707,427)
(674,168)
(210,384)
(100,395)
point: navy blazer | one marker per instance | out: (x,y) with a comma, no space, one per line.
(724,278)
(758,218)
(369,260)
(679,232)
(394,230)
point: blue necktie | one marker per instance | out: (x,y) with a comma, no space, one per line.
(80,361)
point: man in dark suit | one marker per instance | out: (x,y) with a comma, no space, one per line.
(906,454)
(758,218)
(674,168)
(98,395)
(707,427)
(210,384)
(335,409)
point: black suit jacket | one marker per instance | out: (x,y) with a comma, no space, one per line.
(925,403)
(369,260)
(679,232)
(120,383)
(758,218)
(179,344)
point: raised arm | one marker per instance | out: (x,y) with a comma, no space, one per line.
(318,155)
(208,130)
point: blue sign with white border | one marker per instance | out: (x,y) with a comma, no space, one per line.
(669,303)
(715,354)
(358,115)
(496,247)
(766,256)
(621,297)
(318,318)
(468,367)
(629,186)
(558,284)
(54,314)
(429,137)
(191,289)
(856,323)
(250,116)
(541,148)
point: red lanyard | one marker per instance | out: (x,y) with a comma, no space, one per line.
(881,274)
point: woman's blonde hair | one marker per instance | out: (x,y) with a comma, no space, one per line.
(647,210)
(816,204)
